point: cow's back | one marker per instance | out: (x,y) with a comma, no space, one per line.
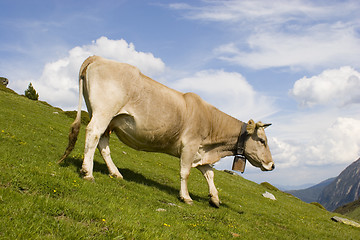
(147,114)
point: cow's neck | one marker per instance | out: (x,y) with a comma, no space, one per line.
(224,134)
(229,148)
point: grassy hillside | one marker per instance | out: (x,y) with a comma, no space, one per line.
(40,199)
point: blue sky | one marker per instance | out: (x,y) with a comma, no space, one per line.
(293,63)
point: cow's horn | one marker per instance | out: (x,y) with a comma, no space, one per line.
(264,125)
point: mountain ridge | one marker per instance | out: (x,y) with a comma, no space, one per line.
(344,189)
(311,194)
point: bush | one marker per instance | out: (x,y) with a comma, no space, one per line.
(269,186)
(85,119)
(31,93)
(318,205)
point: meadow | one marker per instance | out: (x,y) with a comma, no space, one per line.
(40,199)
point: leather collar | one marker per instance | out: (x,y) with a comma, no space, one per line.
(240,145)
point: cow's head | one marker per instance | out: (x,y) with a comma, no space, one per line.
(256,146)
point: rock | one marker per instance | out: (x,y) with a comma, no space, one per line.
(173,204)
(345,221)
(161,210)
(4,81)
(269,196)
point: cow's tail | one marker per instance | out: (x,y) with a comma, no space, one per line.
(75,126)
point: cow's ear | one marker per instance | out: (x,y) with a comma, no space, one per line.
(250,128)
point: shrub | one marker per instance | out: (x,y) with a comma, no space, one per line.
(85,119)
(269,186)
(31,93)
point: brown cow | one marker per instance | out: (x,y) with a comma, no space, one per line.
(149,116)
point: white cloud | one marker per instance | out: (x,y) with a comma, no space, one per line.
(59,81)
(319,46)
(295,34)
(323,154)
(228,91)
(338,144)
(337,87)
(251,10)
(285,155)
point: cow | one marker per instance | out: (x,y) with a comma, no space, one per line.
(148,116)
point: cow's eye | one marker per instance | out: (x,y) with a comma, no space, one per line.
(262,141)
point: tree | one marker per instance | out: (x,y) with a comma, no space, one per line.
(31,93)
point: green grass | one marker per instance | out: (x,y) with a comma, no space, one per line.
(355,214)
(40,199)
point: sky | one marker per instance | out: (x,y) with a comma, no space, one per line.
(294,64)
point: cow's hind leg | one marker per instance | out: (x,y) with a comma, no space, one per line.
(208,173)
(94,130)
(104,149)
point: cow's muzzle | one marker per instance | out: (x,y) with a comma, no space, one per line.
(268,167)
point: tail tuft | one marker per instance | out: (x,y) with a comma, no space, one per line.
(73,134)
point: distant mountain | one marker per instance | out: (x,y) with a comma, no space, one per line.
(311,194)
(344,189)
(285,188)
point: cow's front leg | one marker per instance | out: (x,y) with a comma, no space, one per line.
(208,173)
(184,192)
(104,149)
(186,159)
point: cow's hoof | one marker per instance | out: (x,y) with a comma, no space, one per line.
(85,175)
(214,202)
(187,201)
(89,178)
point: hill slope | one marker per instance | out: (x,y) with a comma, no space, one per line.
(42,200)
(344,189)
